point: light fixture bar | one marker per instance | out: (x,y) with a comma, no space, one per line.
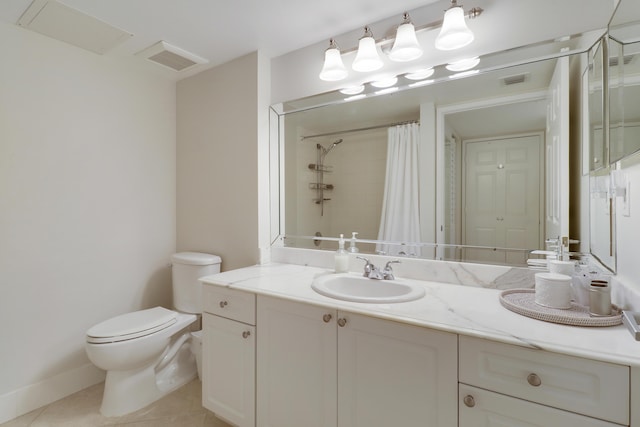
(471,14)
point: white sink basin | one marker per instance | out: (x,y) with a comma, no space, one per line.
(349,287)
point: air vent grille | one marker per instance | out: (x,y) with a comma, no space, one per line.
(171,56)
(171,60)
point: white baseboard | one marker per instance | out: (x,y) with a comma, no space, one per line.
(34,396)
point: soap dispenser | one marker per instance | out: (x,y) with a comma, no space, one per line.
(341,257)
(352,246)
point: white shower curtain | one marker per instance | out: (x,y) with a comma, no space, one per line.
(400,219)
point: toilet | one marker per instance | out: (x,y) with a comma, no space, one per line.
(149,353)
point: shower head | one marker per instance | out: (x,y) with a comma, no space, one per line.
(322,152)
(331,147)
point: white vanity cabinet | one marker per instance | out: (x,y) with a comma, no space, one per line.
(502,384)
(320,367)
(296,367)
(229,354)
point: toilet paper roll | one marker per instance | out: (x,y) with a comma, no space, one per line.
(553,290)
(562,267)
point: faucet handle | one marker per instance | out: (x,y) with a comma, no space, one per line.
(368,267)
(364,259)
(387,273)
(393,261)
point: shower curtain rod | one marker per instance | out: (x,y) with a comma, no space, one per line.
(358,130)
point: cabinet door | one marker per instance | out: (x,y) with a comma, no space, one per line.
(482,408)
(296,368)
(392,374)
(228,371)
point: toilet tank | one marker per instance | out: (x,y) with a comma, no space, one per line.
(187,268)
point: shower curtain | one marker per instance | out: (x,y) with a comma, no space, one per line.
(400,219)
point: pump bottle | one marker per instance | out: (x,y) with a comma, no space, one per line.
(341,257)
(352,246)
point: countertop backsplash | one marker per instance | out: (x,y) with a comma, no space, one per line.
(457,273)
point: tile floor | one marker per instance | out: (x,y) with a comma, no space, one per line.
(182,408)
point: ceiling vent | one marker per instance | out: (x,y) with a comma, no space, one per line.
(515,79)
(171,57)
(69,25)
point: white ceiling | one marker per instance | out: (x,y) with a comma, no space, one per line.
(221,30)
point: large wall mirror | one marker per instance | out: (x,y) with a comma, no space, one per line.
(490,178)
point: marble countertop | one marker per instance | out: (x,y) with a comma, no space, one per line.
(466,310)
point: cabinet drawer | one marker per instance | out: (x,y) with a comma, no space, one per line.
(230,303)
(589,387)
(482,408)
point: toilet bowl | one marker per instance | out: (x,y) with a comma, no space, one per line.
(149,353)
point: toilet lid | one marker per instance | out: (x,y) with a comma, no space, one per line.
(131,325)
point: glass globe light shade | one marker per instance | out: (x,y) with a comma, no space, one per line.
(333,68)
(405,47)
(367,58)
(454,33)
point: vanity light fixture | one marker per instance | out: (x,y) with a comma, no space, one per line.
(420,74)
(405,46)
(463,64)
(454,33)
(333,68)
(352,90)
(384,82)
(367,58)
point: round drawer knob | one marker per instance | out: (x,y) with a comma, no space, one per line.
(534,380)
(246,334)
(342,321)
(469,401)
(223,304)
(326,318)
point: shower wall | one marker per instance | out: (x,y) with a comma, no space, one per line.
(357,174)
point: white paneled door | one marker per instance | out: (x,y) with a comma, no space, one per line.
(502,197)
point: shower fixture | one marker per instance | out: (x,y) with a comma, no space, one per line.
(320,168)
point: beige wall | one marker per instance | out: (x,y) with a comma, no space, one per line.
(217,162)
(87,207)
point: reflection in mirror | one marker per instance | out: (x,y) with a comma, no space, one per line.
(596,104)
(624,94)
(602,218)
(497,126)
(331,188)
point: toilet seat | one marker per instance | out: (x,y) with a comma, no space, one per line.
(131,325)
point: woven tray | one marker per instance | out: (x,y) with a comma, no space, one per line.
(522,301)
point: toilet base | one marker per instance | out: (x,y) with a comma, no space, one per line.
(128,391)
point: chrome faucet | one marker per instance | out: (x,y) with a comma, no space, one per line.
(370,270)
(373,272)
(387,273)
